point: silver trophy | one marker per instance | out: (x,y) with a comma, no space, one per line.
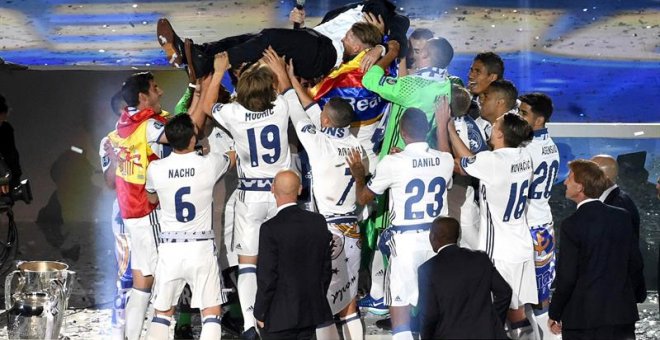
(36,306)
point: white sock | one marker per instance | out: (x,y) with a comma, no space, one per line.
(405,335)
(136,309)
(529,313)
(247,292)
(159,328)
(377,275)
(351,326)
(542,321)
(211,329)
(328,331)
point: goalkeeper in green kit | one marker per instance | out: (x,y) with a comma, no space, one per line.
(422,89)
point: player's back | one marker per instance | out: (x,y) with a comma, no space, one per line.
(545,160)
(419,178)
(184,184)
(261,140)
(503,196)
(333,185)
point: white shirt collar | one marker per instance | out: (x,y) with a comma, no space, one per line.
(417,146)
(585,201)
(445,246)
(286,205)
(607,191)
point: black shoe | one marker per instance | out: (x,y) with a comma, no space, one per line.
(385,324)
(250,334)
(183,332)
(171,44)
(199,64)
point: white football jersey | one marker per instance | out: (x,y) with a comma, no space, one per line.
(337,27)
(474,133)
(327,149)
(505,175)
(219,141)
(184,184)
(260,138)
(545,159)
(418,178)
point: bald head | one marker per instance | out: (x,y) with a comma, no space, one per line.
(445,230)
(609,166)
(286,186)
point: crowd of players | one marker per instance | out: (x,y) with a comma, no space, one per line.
(390,140)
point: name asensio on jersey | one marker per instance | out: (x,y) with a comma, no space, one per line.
(550,149)
(257,115)
(180,173)
(522,166)
(425,162)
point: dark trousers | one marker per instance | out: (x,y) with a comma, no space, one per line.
(313,54)
(298,334)
(606,332)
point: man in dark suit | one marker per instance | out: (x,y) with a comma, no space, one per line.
(613,195)
(599,271)
(455,289)
(293,269)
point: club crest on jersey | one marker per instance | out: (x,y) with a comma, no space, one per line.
(309,128)
(158,125)
(337,245)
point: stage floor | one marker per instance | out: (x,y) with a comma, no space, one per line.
(95,324)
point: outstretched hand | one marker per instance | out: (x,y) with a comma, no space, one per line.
(297,16)
(354,160)
(370,58)
(221,62)
(376,21)
(275,62)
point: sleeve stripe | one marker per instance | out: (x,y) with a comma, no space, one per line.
(382,80)
(464,162)
(310,106)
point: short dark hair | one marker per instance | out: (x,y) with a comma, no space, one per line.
(446,227)
(460,100)
(590,175)
(4,108)
(254,90)
(540,103)
(340,111)
(506,90)
(493,63)
(178,131)
(367,33)
(441,52)
(516,130)
(414,123)
(134,85)
(421,34)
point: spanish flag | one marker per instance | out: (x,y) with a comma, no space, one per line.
(346,82)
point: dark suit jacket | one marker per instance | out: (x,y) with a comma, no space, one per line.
(293,271)
(598,270)
(455,301)
(618,198)
(396,25)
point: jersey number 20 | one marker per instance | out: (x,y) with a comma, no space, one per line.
(436,186)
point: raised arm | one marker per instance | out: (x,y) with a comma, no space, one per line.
(363,194)
(210,92)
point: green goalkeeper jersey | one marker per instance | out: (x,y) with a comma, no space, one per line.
(421,90)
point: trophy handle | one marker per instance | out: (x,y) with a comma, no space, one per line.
(70,281)
(8,294)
